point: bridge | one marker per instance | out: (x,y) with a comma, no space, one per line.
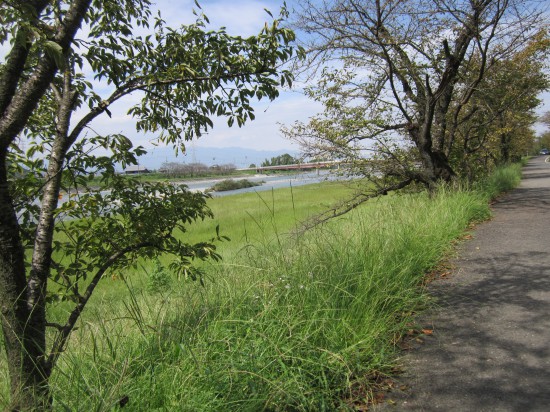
(297,166)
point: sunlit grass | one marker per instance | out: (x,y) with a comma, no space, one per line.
(285,322)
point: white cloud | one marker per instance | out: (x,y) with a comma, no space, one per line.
(263,133)
(240,17)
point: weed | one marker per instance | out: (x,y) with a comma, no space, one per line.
(159,278)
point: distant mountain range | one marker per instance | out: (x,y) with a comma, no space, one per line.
(239,156)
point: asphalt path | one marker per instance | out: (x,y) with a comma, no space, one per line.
(490,350)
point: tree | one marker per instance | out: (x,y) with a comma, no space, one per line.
(224,169)
(284,159)
(495,126)
(543,141)
(394,75)
(545,119)
(173,169)
(52,86)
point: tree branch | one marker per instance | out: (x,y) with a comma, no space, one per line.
(142,84)
(15,64)
(348,205)
(26,98)
(61,339)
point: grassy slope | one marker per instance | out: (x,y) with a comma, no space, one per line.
(282,323)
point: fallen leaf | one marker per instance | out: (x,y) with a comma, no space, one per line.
(428,331)
(445,275)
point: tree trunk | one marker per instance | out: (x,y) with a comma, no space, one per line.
(22,301)
(435,164)
(436,167)
(504,148)
(27,367)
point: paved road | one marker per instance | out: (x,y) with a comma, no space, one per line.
(490,350)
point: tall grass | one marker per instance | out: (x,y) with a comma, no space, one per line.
(286,322)
(501,180)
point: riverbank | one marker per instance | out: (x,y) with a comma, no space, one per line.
(283,322)
(268,182)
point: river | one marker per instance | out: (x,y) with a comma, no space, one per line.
(271,182)
(277,181)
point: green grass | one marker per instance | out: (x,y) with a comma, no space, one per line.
(502,180)
(285,322)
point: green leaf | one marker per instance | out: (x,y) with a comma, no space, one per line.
(55,51)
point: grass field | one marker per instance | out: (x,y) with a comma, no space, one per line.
(284,322)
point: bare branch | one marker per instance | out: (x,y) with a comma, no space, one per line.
(348,205)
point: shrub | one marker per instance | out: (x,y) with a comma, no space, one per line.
(230,184)
(159,279)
